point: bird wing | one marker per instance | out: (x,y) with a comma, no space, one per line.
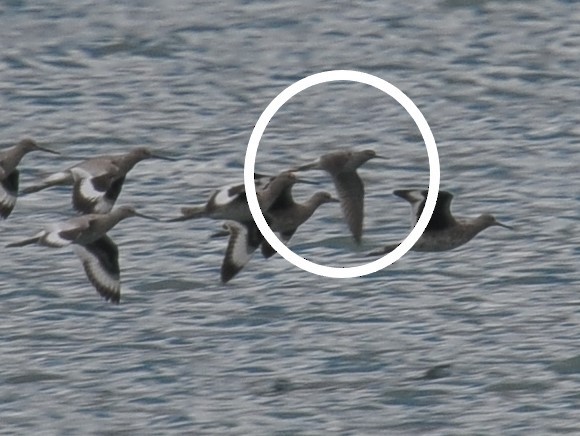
(227,194)
(261,181)
(416,199)
(283,201)
(98,166)
(244,240)
(288,234)
(351,192)
(69,232)
(441,217)
(268,251)
(100,260)
(114,191)
(95,194)
(8,193)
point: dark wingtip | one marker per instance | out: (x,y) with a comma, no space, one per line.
(5,213)
(267,250)
(228,272)
(115,298)
(105,293)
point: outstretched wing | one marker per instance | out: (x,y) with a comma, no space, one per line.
(351,192)
(95,194)
(8,193)
(244,240)
(441,217)
(100,261)
(268,251)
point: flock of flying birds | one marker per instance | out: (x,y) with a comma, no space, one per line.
(97,183)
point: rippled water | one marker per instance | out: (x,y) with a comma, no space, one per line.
(280,351)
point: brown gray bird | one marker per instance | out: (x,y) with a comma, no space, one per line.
(285,215)
(9,174)
(342,166)
(444,231)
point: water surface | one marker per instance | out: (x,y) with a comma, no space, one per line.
(278,350)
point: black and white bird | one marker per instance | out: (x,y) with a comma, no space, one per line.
(285,217)
(9,174)
(97,182)
(97,251)
(244,240)
(230,204)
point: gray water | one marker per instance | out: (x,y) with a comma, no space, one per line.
(279,351)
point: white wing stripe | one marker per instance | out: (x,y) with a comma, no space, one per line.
(100,277)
